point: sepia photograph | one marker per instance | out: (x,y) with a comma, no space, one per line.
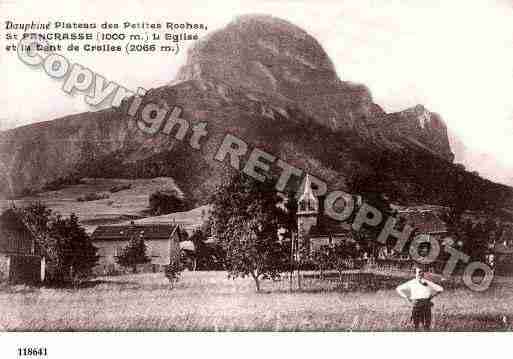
(256,166)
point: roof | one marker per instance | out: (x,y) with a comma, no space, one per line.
(330,227)
(15,237)
(308,197)
(424,221)
(147,232)
(188,245)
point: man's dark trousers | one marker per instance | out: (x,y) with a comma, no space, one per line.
(421,313)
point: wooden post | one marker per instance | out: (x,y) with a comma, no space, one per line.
(298,266)
(43,269)
(298,275)
(291,274)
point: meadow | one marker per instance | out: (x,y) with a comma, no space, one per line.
(210,301)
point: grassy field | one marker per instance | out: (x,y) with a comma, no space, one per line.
(210,301)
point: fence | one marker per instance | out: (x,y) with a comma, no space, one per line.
(407,265)
(114,269)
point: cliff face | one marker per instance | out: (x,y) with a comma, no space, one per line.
(262,79)
(421,127)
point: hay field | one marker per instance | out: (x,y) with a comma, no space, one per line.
(210,301)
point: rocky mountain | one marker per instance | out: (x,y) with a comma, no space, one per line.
(281,65)
(272,85)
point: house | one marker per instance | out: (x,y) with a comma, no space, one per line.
(21,258)
(316,230)
(162,244)
(428,225)
(425,222)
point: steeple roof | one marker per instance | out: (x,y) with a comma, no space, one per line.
(308,203)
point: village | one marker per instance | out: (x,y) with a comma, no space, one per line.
(319,255)
(315,242)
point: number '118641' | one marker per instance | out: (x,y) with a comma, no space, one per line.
(32,352)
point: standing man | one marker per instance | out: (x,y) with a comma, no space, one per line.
(419,292)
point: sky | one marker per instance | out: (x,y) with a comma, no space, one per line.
(455,58)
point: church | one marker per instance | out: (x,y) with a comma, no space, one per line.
(316,230)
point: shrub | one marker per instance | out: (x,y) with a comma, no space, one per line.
(133,254)
(120,187)
(93,196)
(166,201)
(321,259)
(173,271)
(61,183)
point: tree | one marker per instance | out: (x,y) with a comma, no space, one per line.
(371,189)
(474,238)
(77,255)
(340,257)
(476,245)
(291,207)
(133,254)
(166,201)
(343,255)
(321,259)
(246,217)
(173,271)
(201,253)
(68,250)
(206,256)
(37,215)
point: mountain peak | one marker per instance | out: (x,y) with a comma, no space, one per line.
(262,53)
(267,55)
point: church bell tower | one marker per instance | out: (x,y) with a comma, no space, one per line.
(307,211)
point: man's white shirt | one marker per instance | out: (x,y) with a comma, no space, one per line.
(414,289)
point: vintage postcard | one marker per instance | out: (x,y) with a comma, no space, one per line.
(268,166)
